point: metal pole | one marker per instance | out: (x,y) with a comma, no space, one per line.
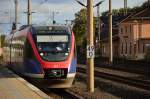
(53,16)
(66,22)
(90,39)
(110,33)
(125,7)
(16,13)
(29,12)
(99,24)
(0,40)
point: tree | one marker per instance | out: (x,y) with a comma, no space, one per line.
(79,29)
(135,9)
(117,11)
(80,26)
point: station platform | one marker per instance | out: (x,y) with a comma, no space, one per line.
(14,87)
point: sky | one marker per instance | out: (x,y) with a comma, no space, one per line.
(64,10)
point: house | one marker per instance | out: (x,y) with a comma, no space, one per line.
(134,35)
(105,35)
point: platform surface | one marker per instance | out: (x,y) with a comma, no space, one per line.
(14,87)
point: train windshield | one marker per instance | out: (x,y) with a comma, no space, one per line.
(53,45)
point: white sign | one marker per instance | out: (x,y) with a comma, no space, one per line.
(90,51)
(52,38)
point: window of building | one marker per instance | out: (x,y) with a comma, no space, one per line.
(121,30)
(126,48)
(147,46)
(103,49)
(126,29)
(135,48)
(130,48)
(121,48)
(138,46)
(143,48)
(130,28)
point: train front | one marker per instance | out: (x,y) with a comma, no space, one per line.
(55,47)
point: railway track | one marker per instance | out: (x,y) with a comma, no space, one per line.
(142,84)
(133,68)
(57,93)
(126,69)
(61,94)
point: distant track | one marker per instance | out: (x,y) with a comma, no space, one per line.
(125,80)
(126,69)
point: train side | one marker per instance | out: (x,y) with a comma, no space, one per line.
(36,56)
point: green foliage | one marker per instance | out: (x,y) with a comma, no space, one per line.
(80,26)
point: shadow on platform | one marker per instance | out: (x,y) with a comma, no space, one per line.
(6,73)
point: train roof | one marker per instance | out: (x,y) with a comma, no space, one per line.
(53,27)
(48,28)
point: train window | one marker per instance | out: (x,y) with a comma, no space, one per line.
(53,51)
(53,43)
(56,48)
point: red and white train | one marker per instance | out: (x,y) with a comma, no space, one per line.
(44,53)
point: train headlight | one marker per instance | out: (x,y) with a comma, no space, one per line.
(41,54)
(55,73)
(66,54)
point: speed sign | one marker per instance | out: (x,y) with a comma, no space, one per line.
(90,51)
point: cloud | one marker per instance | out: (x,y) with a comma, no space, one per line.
(66,9)
(44,9)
